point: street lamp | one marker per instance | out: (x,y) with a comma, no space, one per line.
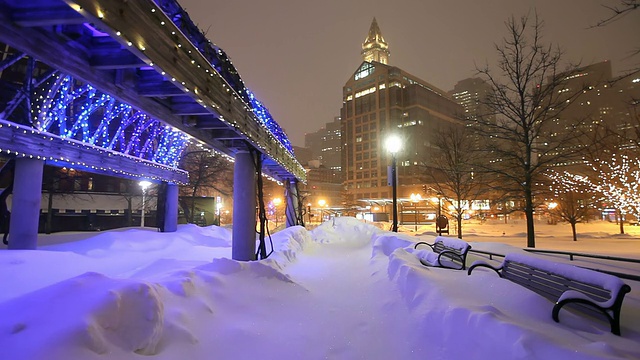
(219,212)
(393,145)
(439,222)
(321,203)
(415,198)
(144,184)
(276,202)
(551,206)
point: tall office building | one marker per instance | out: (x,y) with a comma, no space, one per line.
(378,100)
(325,144)
(604,99)
(470,94)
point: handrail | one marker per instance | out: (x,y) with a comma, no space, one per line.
(572,254)
(491,254)
(615,273)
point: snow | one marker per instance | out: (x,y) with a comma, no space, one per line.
(344,290)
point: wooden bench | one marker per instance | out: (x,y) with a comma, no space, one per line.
(588,291)
(445,252)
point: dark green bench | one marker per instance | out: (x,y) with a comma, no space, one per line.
(587,291)
(445,252)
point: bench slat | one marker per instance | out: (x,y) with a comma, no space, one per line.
(538,276)
(558,283)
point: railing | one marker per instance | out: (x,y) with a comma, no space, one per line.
(491,254)
(572,255)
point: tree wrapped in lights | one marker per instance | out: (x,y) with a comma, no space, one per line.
(616,181)
(572,199)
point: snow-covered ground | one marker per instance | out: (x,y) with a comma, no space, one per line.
(349,291)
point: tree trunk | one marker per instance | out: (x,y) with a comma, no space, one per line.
(531,236)
(573,229)
(621,222)
(459,226)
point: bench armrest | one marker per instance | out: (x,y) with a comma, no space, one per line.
(423,243)
(610,309)
(451,253)
(480,263)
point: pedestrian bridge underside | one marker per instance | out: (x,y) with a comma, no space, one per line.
(121,87)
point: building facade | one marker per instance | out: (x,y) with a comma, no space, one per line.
(326,144)
(470,94)
(380,100)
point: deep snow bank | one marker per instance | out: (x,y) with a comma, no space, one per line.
(483,314)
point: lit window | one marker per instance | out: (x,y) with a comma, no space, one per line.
(365,70)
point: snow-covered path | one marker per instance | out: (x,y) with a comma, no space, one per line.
(343,291)
(337,272)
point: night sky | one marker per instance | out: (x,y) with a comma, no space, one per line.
(296,55)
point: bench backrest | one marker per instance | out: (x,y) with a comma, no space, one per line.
(457,246)
(551,279)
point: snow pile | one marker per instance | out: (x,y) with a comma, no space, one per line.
(90,311)
(486,312)
(343,229)
(344,290)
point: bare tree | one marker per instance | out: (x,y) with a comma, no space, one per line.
(208,173)
(454,171)
(616,12)
(521,129)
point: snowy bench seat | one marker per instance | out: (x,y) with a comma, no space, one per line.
(588,291)
(445,252)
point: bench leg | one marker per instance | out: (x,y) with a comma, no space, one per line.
(614,320)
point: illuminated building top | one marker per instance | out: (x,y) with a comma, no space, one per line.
(375,48)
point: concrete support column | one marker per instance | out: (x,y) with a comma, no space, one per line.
(171,209)
(25,204)
(244,208)
(292,210)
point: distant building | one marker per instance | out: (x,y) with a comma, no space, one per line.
(605,100)
(471,93)
(303,154)
(326,144)
(322,184)
(378,100)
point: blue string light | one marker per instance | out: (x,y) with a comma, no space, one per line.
(225,68)
(81,112)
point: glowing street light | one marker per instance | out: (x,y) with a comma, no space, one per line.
(415,198)
(322,203)
(276,202)
(144,184)
(393,145)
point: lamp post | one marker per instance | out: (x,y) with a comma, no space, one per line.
(393,145)
(551,206)
(144,184)
(415,198)
(276,203)
(321,203)
(219,212)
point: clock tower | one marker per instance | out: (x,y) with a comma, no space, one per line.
(374,47)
